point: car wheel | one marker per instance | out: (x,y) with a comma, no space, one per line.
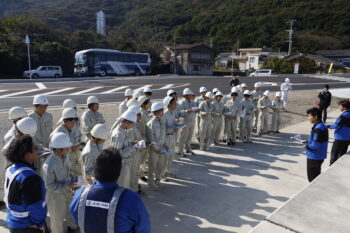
(57,76)
(103,73)
(35,76)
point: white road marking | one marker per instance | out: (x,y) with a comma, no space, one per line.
(86,90)
(58,91)
(3,90)
(40,85)
(19,93)
(167,86)
(115,89)
(141,88)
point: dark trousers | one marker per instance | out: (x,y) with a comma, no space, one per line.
(313,168)
(339,148)
(323,109)
(26,230)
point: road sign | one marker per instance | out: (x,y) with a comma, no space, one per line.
(296,68)
(27,39)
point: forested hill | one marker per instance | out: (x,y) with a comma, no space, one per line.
(320,24)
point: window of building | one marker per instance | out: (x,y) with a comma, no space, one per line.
(251,59)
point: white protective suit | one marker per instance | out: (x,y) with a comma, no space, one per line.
(145,118)
(198,101)
(246,120)
(277,106)
(9,134)
(170,140)
(88,158)
(217,120)
(73,156)
(232,109)
(88,120)
(122,143)
(256,95)
(206,110)
(187,132)
(156,136)
(56,175)
(123,107)
(134,135)
(264,106)
(224,100)
(285,88)
(45,127)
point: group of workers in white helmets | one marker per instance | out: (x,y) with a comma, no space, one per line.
(145,133)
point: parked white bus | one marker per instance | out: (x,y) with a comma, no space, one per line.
(92,62)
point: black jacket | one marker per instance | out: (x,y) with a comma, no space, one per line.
(325,98)
(234,82)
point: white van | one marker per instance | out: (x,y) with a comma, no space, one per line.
(44,71)
(263,72)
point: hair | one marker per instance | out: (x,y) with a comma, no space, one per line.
(126,121)
(315,112)
(108,166)
(70,119)
(326,86)
(148,93)
(90,105)
(172,101)
(345,103)
(234,94)
(18,148)
(145,103)
(156,112)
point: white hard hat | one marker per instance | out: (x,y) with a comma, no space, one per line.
(137,94)
(100,131)
(243,85)
(129,115)
(69,103)
(239,88)
(267,93)
(141,100)
(287,80)
(128,92)
(69,113)
(234,90)
(92,100)
(16,113)
(27,126)
(209,95)
(219,93)
(166,100)
(215,90)
(40,100)
(60,141)
(203,89)
(258,84)
(246,92)
(187,91)
(135,109)
(156,107)
(279,94)
(147,89)
(132,102)
(170,92)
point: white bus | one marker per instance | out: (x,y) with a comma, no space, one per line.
(92,62)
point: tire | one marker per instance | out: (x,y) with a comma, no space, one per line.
(103,73)
(35,76)
(57,76)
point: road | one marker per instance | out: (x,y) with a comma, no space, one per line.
(111,90)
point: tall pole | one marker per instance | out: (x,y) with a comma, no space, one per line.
(28,49)
(290,37)
(174,55)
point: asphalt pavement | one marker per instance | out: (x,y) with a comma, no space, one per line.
(112,90)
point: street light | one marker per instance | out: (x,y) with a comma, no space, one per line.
(27,41)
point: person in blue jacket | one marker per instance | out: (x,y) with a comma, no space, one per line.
(105,206)
(317,144)
(24,189)
(342,131)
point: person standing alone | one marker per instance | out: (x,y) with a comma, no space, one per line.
(325,101)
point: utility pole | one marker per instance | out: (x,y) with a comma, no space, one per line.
(174,54)
(290,36)
(211,43)
(27,41)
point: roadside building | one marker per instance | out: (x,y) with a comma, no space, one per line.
(191,59)
(338,55)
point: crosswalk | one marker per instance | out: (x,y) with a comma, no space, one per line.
(74,91)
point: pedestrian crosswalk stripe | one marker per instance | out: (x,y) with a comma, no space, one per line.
(167,86)
(40,85)
(19,93)
(115,89)
(3,90)
(141,88)
(58,91)
(85,91)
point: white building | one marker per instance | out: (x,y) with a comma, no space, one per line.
(101,23)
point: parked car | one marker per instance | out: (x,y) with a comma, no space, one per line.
(44,71)
(263,72)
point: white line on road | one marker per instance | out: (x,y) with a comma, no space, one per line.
(3,90)
(19,93)
(115,89)
(58,91)
(167,86)
(85,91)
(141,88)
(40,85)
